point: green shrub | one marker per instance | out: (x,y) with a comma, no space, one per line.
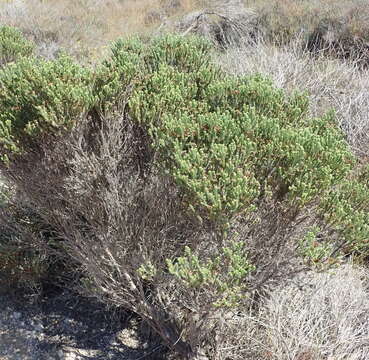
(228,142)
(41,97)
(113,76)
(131,60)
(13,45)
(186,56)
(152,200)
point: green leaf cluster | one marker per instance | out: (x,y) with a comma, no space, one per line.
(187,55)
(132,60)
(314,251)
(345,209)
(120,71)
(13,45)
(41,97)
(229,141)
(222,276)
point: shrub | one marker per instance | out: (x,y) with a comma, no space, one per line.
(230,141)
(13,45)
(41,97)
(116,74)
(165,194)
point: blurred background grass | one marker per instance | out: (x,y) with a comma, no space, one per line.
(85,28)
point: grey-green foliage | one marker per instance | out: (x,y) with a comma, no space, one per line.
(345,209)
(132,60)
(13,45)
(39,97)
(114,75)
(186,55)
(222,276)
(228,141)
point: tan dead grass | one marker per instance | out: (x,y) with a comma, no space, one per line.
(313,317)
(86,27)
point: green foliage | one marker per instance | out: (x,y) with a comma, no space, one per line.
(316,252)
(189,55)
(229,141)
(117,73)
(13,45)
(131,60)
(223,276)
(41,97)
(346,210)
(147,271)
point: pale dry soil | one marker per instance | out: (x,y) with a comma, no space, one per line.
(64,326)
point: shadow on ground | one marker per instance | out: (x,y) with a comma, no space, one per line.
(63,325)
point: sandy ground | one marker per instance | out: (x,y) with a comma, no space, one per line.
(67,327)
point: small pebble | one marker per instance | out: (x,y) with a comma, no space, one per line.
(39,327)
(70,356)
(17,315)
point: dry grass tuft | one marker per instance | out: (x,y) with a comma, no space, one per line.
(317,316)
(224,23)
(321,316)
(284,18)
(85,28)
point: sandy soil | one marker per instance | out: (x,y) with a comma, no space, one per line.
(67,327)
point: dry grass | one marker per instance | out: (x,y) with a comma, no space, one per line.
(281,15)
(317,316)
(84,28)
(325,316)
(331,84)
